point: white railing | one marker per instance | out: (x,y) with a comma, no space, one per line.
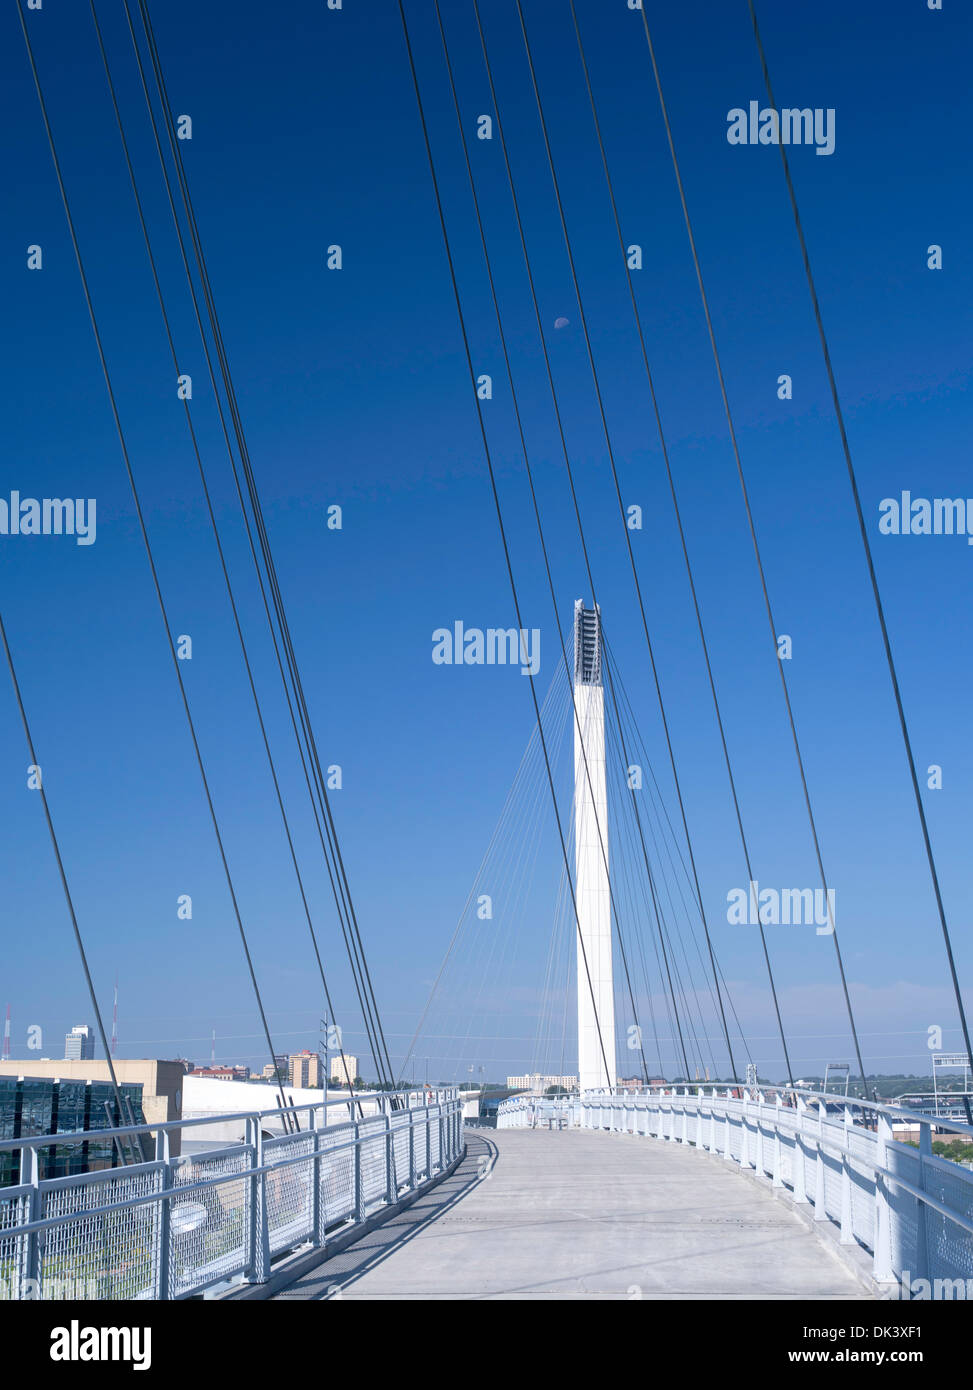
(912,1210)
(170,1227)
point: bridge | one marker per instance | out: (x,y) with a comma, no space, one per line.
(751,1184)
(680,1193)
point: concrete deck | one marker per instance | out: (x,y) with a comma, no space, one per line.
(580,1215)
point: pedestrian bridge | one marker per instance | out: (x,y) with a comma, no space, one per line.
(697,1193)
(576,1214)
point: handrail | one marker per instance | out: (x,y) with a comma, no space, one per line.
(86,1136)
(240,1210)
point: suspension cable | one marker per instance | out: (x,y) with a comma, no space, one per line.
(529,472)
(211,513)
(496,499)
(756,547)
(610,449)
(148,550)
(335,864)
(873,578)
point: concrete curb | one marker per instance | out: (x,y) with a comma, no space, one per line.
(296,1265)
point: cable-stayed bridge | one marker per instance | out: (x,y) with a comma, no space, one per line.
(733,1179)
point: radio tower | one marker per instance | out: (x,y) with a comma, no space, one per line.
(114,1020)
(6,1036)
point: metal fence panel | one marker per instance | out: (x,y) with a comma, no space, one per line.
(209,1229)
(289,1190)
(101,1253)
(336,1177)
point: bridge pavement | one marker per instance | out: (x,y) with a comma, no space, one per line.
(581,1214)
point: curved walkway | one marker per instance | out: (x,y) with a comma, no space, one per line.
(579,1214)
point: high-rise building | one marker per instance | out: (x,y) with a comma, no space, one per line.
(304,1069)
(344,1069)
(79,1045)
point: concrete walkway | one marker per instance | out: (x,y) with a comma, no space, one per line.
(578,1214)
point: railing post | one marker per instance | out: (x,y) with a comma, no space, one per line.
(427,1118)
(712,1121)
(778,1177)
(744,1135)
(922,1227)
(727,1146)
(320,1202)
(758,1136)
(685,1116)
(259,1225)
(359,1183)
(820,1197)
(412,1149)
(390,1188)
(799,1184)
(847,1215)
(35,1239)
(882,1270)
(165,1213)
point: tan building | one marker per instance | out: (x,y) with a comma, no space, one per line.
(161,1082)
(344,1070)
(304,1070)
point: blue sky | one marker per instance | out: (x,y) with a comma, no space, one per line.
(354,391)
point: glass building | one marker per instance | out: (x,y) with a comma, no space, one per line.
(35,1105)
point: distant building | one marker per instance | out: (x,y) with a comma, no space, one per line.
(223,1073)
(304,1070)
(344,1069)
(270,1071)
(79,1045)
(537,1083)
(156,1085)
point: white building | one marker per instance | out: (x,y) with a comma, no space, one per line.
(537,1083)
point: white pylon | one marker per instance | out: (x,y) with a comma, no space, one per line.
(596,991)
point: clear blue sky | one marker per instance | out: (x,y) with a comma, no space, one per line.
(354,391)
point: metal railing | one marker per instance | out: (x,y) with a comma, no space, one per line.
(911,1209)
(176,1226)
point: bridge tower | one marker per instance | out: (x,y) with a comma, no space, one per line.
(596,993)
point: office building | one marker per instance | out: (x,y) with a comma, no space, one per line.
(344,1069)
(304,1070)
(79,1045)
